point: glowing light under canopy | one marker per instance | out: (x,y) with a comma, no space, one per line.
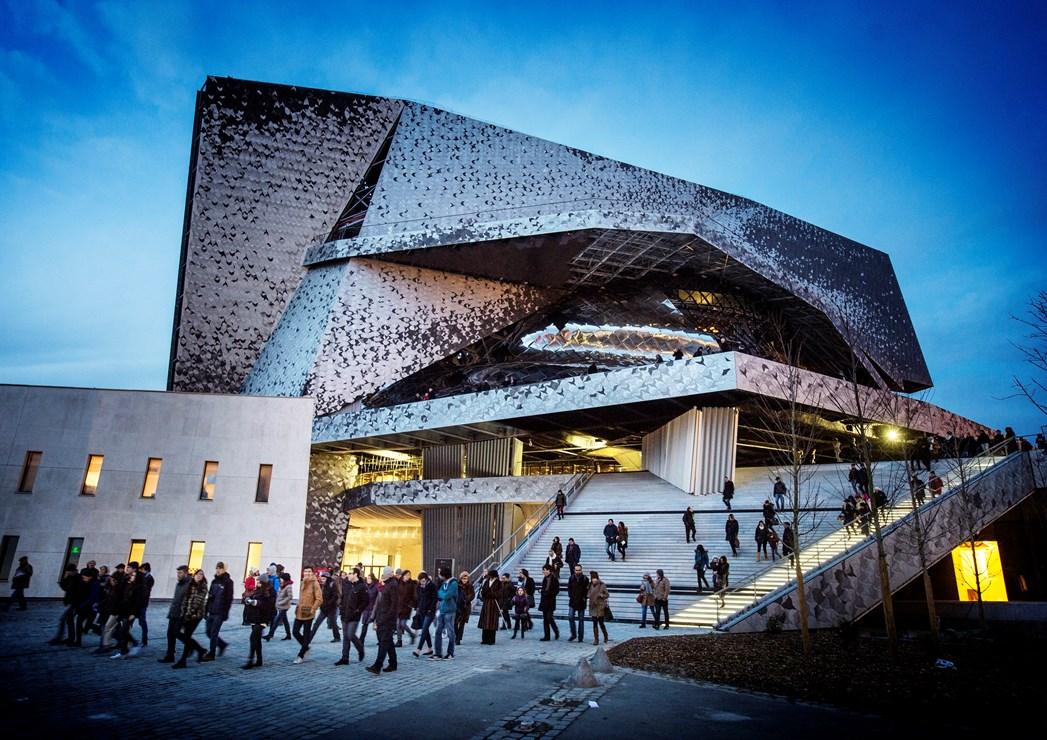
(627,341)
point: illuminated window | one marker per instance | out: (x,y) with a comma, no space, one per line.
(208,483)
(979,568)
(7,555)
(91,474)
(196,555)
(152,477)
(72,554)
(254,557)
(265,477)
(137,552)
(32,463)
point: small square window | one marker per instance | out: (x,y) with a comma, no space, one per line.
(152,477)
(137,552)
(254,557)
(208,483)
(32,464)
(91,475)
(265,477)
(196,555)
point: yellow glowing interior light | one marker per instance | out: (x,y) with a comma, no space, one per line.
(983,568)
(94,471)
(196,556)
(892,435)
(585,442)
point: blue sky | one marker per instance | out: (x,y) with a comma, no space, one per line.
(918,129)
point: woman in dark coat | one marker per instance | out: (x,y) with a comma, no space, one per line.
(194,605)
(368,612)
(490,611)
(259,612)
(557,547)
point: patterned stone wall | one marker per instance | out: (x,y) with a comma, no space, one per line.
(360,325)
(849,588)
(326,517)
(271,167)
(526,488)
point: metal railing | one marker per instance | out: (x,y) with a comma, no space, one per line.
(829,549)
(529,530)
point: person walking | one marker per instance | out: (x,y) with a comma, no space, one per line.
(490,611)
(553,562)
(623,540)
(728,492)
(645,598)
(310,597)
(145,574)
(573,554)
(130,603)
(547,605)
(597,607)
(731,530)
(661,599)
(466,596)
(447,606)
(109,608)
(372,598)
(19,584)
(557,547)
(610,535)
(174,612)
(769,514)
(772,540)
(689,530)
(219,602)
(408,586)
(351,604)
(194,607)
(935,484)
(330,588)
(761,540)
(577,595)
(780,492)
(917,489)
(561,503)
(520,611)
(385,615)
(701,562)
(85,610)
(70,585)
(284,597)
(528,584)
(725,569)
(259,611)
(789,543)
(425,599)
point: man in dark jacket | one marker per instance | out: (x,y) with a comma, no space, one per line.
(19,583)
(385,614)
(329,588)
(219,601)
(728,492)
(572,555)
(145,573)
(577,598)
(610,535)
(408,586)
(174,612)
(70,585)
(561,503)
(351,605)
(425,603)
(731,530)
(547,605)
(688,525)
(128,606)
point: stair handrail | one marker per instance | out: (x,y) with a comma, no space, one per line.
(539,517)
(993,455)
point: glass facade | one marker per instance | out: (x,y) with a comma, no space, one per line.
(136,553)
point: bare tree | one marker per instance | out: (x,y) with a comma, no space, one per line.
(1035,352)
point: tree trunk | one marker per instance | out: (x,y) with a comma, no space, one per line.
(928,588)
(978,586)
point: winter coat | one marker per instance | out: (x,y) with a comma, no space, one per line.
(577,591)
(597,599)
(23,574)
(372,599)
(701,559)
(490,612)
(220,596)
(610,533)
(147,586)
(353,601)
(194,606)
(505,601)
(688,520)
(573,555)
(760,535)
(447,595)
(557,547)
(260,604)
(285,597)
(788,540)
(70,585)
(131,598)
(779,488)
(466,596)
(425,599)
(623,536)
(728,489)
(661,589)
(310,598)
(550,589)
(520,605)
(330,593)
(388,606)
(181,587)
(647,592)
(731,529)
(407,597)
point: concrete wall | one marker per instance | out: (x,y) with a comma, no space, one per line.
(128,427)
(694,451)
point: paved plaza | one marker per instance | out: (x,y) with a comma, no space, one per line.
(514,689)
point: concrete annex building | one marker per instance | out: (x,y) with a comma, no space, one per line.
(398,331)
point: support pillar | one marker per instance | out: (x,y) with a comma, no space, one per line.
(694,451)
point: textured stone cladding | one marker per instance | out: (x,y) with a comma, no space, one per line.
(849,588)
(707,374)
(326,520)
(453,180)
(775,380)
(272,166)
(527,488)
(360,325)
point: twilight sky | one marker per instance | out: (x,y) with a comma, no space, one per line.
(920,131)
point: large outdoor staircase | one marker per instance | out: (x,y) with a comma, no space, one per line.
(653,510)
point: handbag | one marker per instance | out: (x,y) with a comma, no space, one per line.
(639,598)
(608,614)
